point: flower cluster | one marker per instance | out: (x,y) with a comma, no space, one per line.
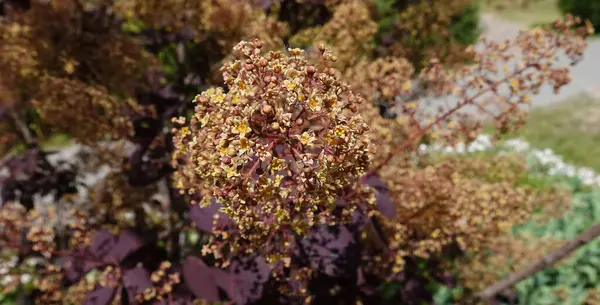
(280,185)
(486,267)
(101,55)
(349,33)
(450,202)
(279,147)
(18,60)
(249,23)
(381,80)
(93,114)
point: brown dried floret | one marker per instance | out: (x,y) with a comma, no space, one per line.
(18,58)
(503,255)
(381,80)
(87,113)
(449,202)
(349,34)
(238,20)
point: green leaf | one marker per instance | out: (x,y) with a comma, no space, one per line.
(590,272)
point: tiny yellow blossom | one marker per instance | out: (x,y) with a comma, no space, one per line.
(301,97)
(291,84)
(70,67)
(242,128)
(314,104)
(244,145)
(307,137)
(339,131)
(277,165)
(406,85)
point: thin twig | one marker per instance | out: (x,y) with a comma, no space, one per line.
(22,128)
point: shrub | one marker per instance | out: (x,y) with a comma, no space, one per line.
(422,30)
(586,10)
(465,27)
(276,185)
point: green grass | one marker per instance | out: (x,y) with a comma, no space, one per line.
(570,128)
(55,141)
(58,140)
(538,12)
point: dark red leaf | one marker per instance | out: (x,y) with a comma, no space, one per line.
(384,203)
(76,266)
(102,244)
(201,279)
(326,247)
(204,217)
(136,280)
(100,295)
(113,249)
(245,278)
(376,182)
(360,277)
(177,299)
(127,243)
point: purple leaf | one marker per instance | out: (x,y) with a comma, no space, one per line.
(127,243)
(175,300)
(360,277)
(204,217)
(102,244)
(326,247)
(101,295)
(136,280)
(76,266)
(384,203)
(245,279)
(200,279)
(376,182)
(113,249)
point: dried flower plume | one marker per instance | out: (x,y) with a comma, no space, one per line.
(278,146)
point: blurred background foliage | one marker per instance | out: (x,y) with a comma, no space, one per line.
(415,30)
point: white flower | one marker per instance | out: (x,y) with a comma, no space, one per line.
(517,145)
(6,280)
(33,261)
(129,215)
(570,171)
(484,141)
(13,261)
(25,278)
(460,148)
(476,146)
(553,164)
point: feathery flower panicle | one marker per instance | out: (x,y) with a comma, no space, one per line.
(349,34)
(92,114)
(277,146)
(382,79)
